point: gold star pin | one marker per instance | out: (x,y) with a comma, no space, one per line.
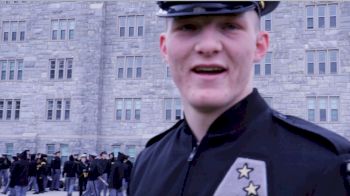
(251,189)
(244,172)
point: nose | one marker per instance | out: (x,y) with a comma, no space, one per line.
(209,42)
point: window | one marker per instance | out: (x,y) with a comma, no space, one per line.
(323,108)
(116,149)
(332,15)
(50,150)
(62,29)
(13,31)
(333,59)
(311,104)
(58,109)
(326,62)
(129,67)
(10,109)
(9,148)
(265,67)
(131,26)
(266,20)
(11,69)
(321,16)
(61,69)
(131,151)
(64,148)
(172,109)
(128,109)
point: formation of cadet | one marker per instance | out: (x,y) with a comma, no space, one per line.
(92,175)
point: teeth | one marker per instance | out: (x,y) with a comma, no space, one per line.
(209,69)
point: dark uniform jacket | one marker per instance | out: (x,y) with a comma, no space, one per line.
(4,163)
(249,150)
(115,177)
(56,163)
(70,168)
(94,170)
(19,173)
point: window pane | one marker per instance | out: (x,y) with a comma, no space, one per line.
(257,69)
(168,114)
(129,61)
(71,28)
(131,151)
(323,108)
(321,16)
(9,110)
(9,149)
(137,106)
(131,25)
(128,107)
(19,69)
(168,108)
(120,66)
(3,69)
(1,108)
(14,30)
(52,69)
(310,11)
(115,149)
(6,30)
(311,115)
(310,17)
(139,25)
(322,62)
(49,109)
(323,115)
(12,70)
(63,27)
(17,109)
(54,27)
(333,56)
(58,109)
(119,108)
(311,104)
(333,15)
(50,149)
(67,110)
(69,68)
(21,30)
(310,60)
(60,68)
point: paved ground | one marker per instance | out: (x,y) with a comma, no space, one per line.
(53,193)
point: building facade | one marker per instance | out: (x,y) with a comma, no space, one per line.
(87,76)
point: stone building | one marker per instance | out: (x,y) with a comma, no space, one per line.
(86,76)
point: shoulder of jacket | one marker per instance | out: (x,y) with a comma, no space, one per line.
(158,137)
(329,139)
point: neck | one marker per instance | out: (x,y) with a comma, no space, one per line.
(200,121)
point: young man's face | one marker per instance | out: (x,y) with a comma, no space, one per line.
(211,57)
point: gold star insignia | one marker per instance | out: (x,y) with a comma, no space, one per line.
(251,189)
(244,172)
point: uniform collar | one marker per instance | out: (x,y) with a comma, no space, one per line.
(238,117)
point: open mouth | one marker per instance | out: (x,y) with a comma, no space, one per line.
(208,70)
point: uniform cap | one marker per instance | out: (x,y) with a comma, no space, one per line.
(193,8)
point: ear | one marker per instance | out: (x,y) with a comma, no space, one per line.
(163,47)
(262,45)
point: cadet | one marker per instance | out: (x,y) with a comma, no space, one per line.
(56,171)
(231,142)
